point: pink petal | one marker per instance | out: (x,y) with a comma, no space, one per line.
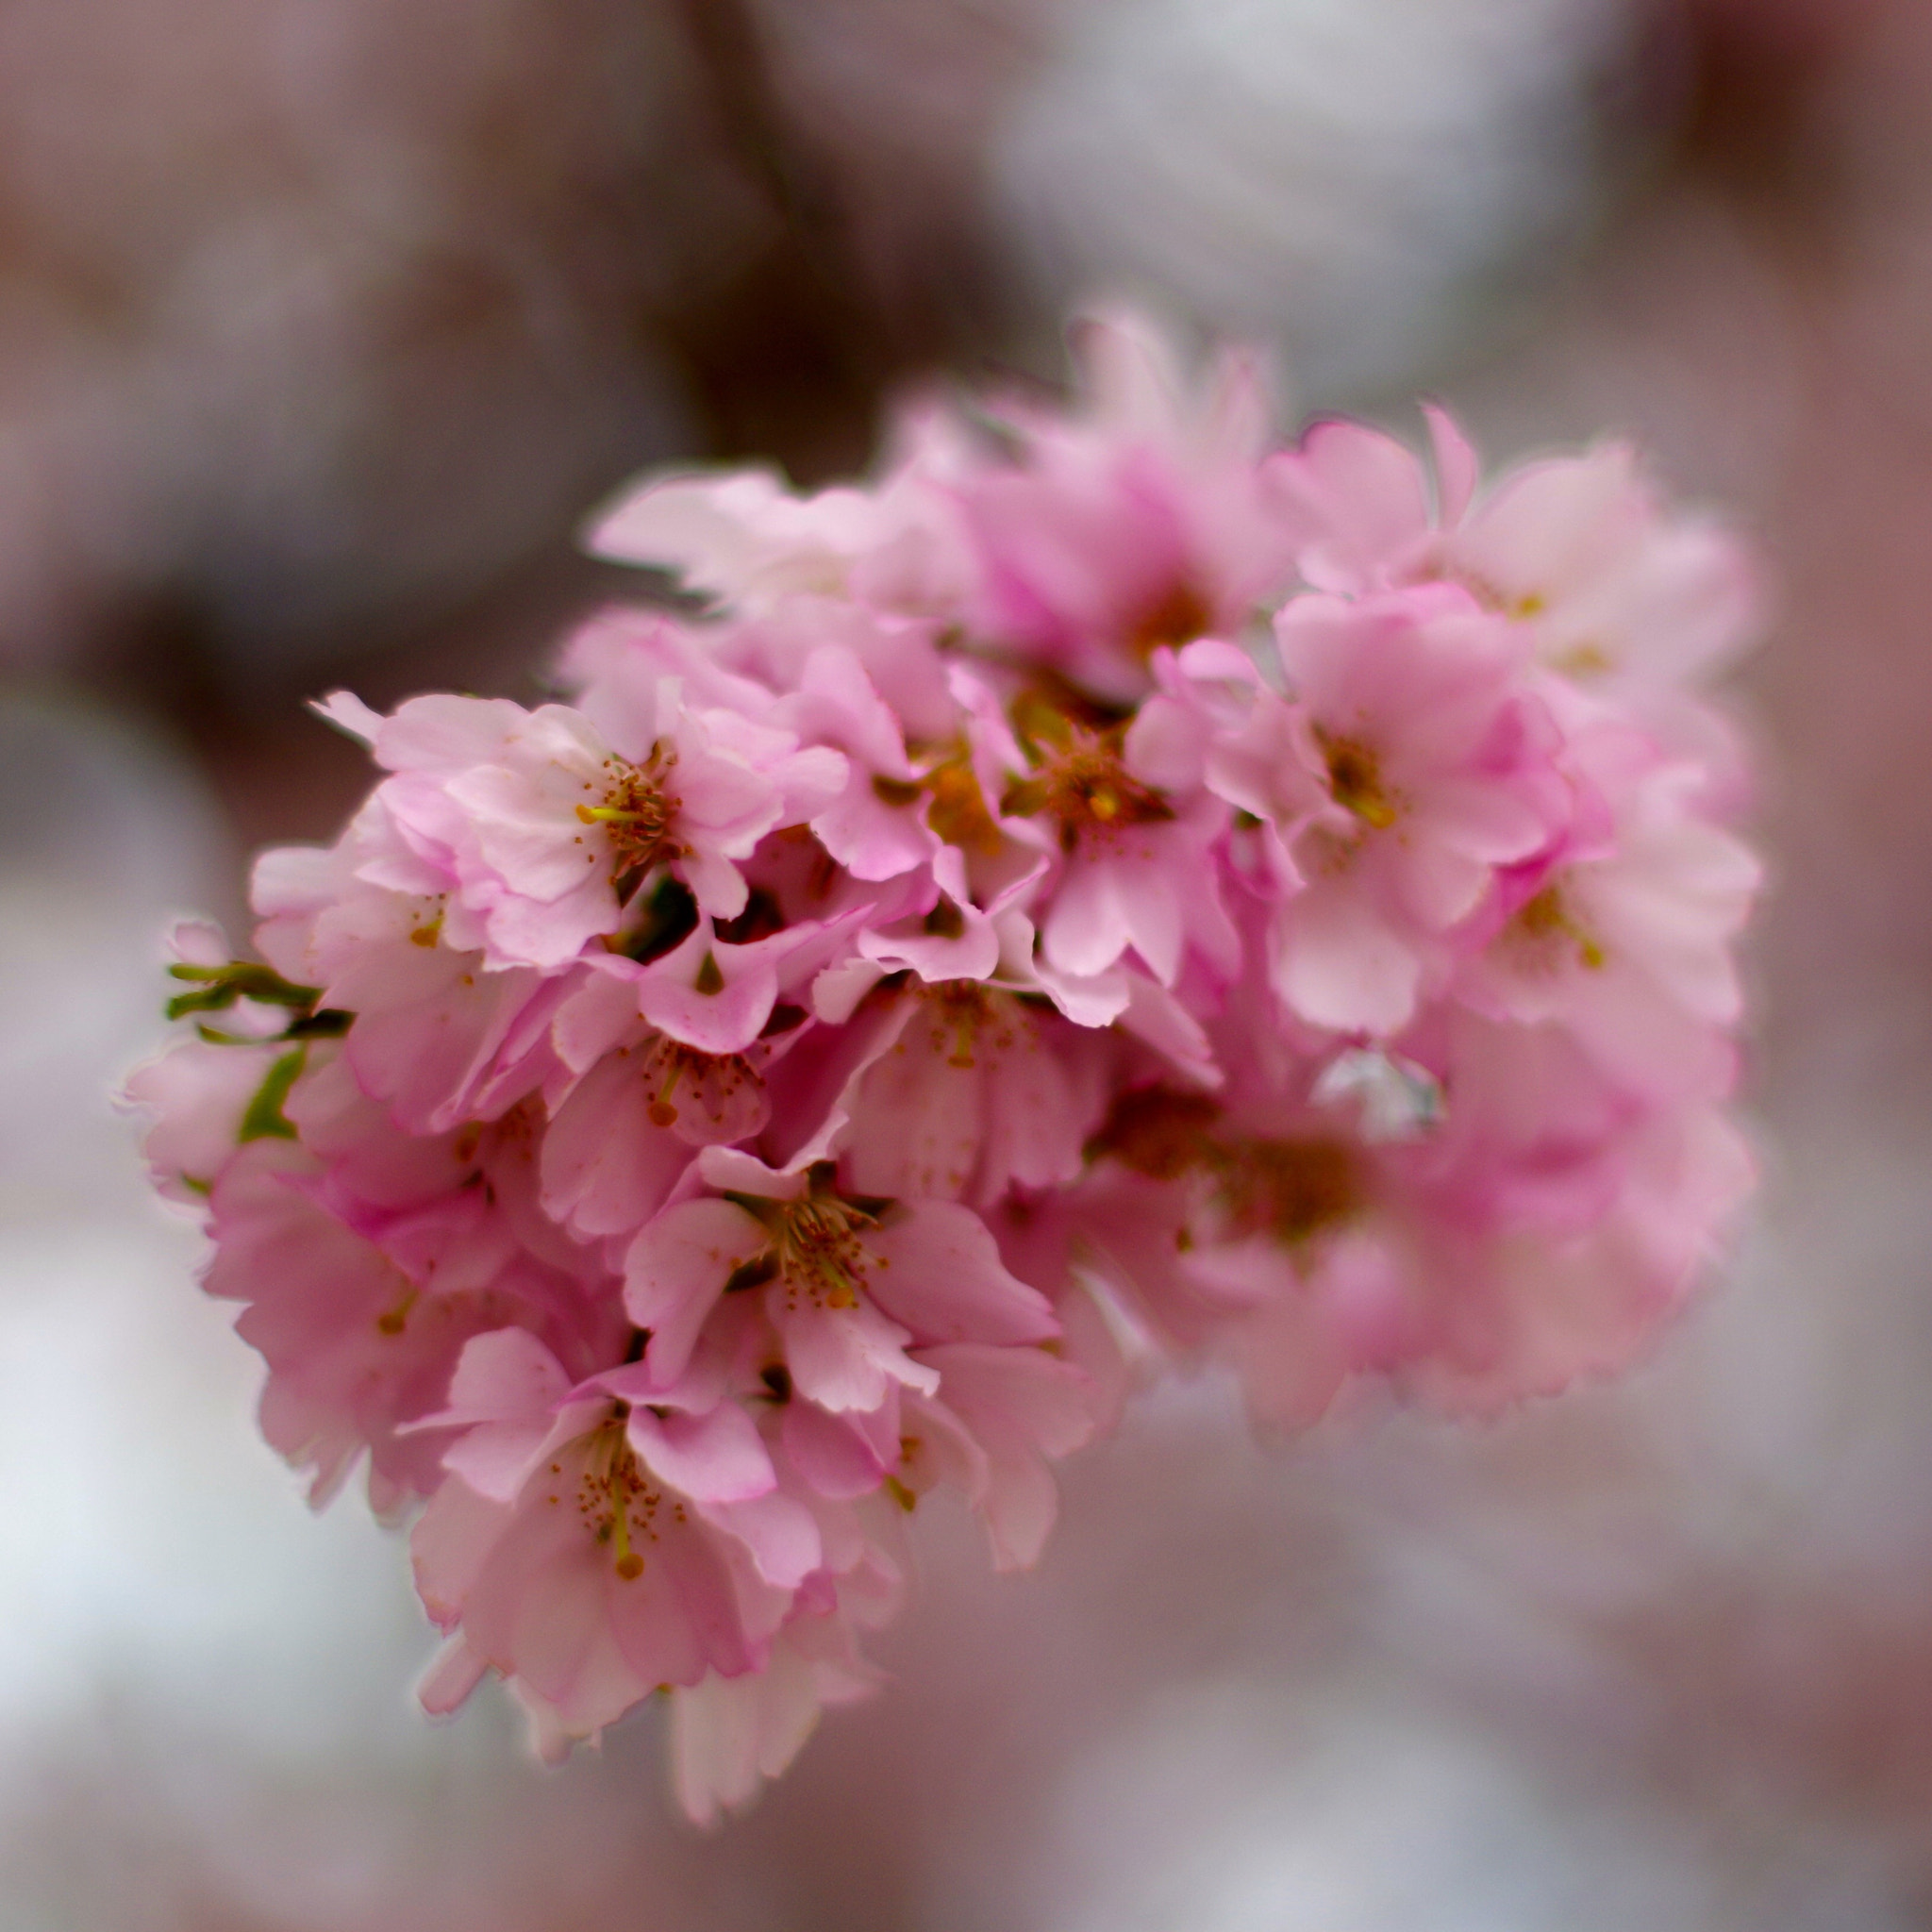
(938,1270)
(714,1458)
(1337,964)
(725,1021)
(677,1268)
(834,1458)
(506,1375)
(846,1358)
(1458,468)
(779,1531)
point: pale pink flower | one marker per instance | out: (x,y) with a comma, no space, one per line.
(999,1417)
(437,1036)
(1140,522)
(729,1734)
(454,1212)
(615,663)
(748,539)
(1625,937)
(1525,1313)
(850,1286)
(875,827)
(1214,722)
(592,1546)
(974,1095)
(197,1097)
(899,654)
(353,1348)
(1615,591)
(543,828)
(1437,765)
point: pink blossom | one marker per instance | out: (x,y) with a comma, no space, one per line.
(1016,938)
(538,822)
(998,1417)
(976,1093)
(1141,521)
(438,1036)
(662,1060)
(355,1350)
(849,1286)
(875,826)
(594,1547)
(197,1097)
(1625,937)
(729,1734)
(1135,866)
(1438,764)
(1576,549)
(747,539)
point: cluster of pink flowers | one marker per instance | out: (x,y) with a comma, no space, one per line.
(1115,892)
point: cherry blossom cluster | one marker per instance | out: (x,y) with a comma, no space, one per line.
(1116,892)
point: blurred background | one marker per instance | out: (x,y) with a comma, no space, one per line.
(322,325)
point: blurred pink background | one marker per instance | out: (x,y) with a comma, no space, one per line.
(322,325)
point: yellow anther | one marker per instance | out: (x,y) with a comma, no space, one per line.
(1355,780)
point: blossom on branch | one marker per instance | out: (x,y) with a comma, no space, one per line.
(1112,893)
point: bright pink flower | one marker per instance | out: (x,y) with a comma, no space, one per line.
(663,1058)
(1134,869)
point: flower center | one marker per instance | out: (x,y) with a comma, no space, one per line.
(711,1082)
(958,1009)
(1087,789)
(1178,616)
(1159,1133)
(1355,781)
(959,812)
(636,813)
(1547,926)
(1291,1189)
(820,1254)
(616,1501)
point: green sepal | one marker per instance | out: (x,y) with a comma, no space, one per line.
(217,987)
(265,1119)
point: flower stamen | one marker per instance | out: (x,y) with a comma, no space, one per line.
(1355,781)
(637,813)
